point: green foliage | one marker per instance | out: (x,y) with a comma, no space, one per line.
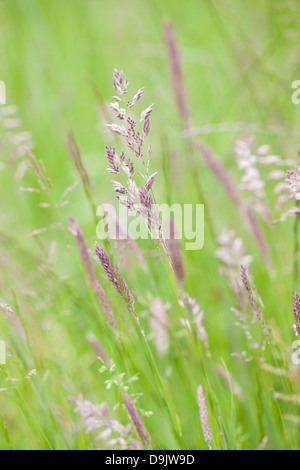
(239,64)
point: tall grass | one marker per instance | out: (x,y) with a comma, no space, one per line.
(139,343)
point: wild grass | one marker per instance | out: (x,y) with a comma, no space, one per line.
(142,344)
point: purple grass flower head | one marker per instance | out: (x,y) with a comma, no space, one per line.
(296,312)
(112,159)
(203,413)
(293,183)
(121,112)
(254,298)
(119,163)
(97,417)
(120,82)
(118,188)
(251,179)
(83,250)
(146,127)
(136,98)
(251,160)
(108,267)
(134,197)
(117,129)
(145,198)
(87,409)
(146,113)
(115,278)
(150,181)
(137,420)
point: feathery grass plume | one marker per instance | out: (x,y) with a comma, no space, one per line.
(106,306)
(249,155)
(251,180)
(291,190)
(132,196)
(220,171)
(293,183)
(79,165)
(120,82)
(83,250)
(97,417)
(116,279)
(159,322)
(204,417)
(176,74)
(175,254)
(254,298)
(250,159)
(137,420)
(93,341)
(296,312)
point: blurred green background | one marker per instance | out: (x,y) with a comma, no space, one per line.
(239,59)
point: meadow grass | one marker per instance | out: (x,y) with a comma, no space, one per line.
(238,61)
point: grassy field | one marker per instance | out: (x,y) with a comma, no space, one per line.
(238,62)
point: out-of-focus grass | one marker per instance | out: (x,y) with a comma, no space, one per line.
(239,66)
